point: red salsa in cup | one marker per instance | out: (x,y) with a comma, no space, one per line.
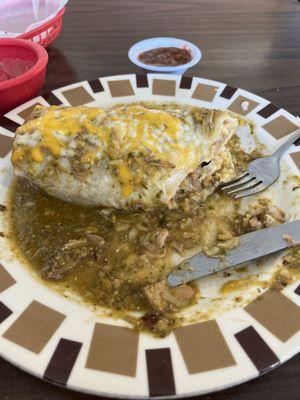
(166,56)
(12,67)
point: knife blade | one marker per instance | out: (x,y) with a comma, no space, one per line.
(252,245)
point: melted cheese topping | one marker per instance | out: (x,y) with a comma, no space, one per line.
(118,133)
(156,134)
(125,178)
(164,138)
(67,122)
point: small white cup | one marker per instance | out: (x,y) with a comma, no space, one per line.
(153,43)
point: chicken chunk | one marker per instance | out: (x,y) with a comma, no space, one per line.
(162,298)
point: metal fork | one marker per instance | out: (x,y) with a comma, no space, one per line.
(260,174)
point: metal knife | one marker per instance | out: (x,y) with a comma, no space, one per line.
(252,246)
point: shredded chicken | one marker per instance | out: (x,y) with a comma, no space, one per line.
(161,237)
(96,240)
(163,298)
(154,242)
(261,215)
(159,163)
(74,243)
(290,240)
(178,246)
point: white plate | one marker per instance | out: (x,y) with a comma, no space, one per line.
(59,340)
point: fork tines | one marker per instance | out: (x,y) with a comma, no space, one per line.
(245,185)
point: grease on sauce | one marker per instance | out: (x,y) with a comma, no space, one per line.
(241,284)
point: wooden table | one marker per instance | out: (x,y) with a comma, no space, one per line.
(253,44)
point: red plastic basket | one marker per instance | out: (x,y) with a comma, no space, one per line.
(46,33)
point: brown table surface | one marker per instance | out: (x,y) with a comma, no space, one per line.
(253,44)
